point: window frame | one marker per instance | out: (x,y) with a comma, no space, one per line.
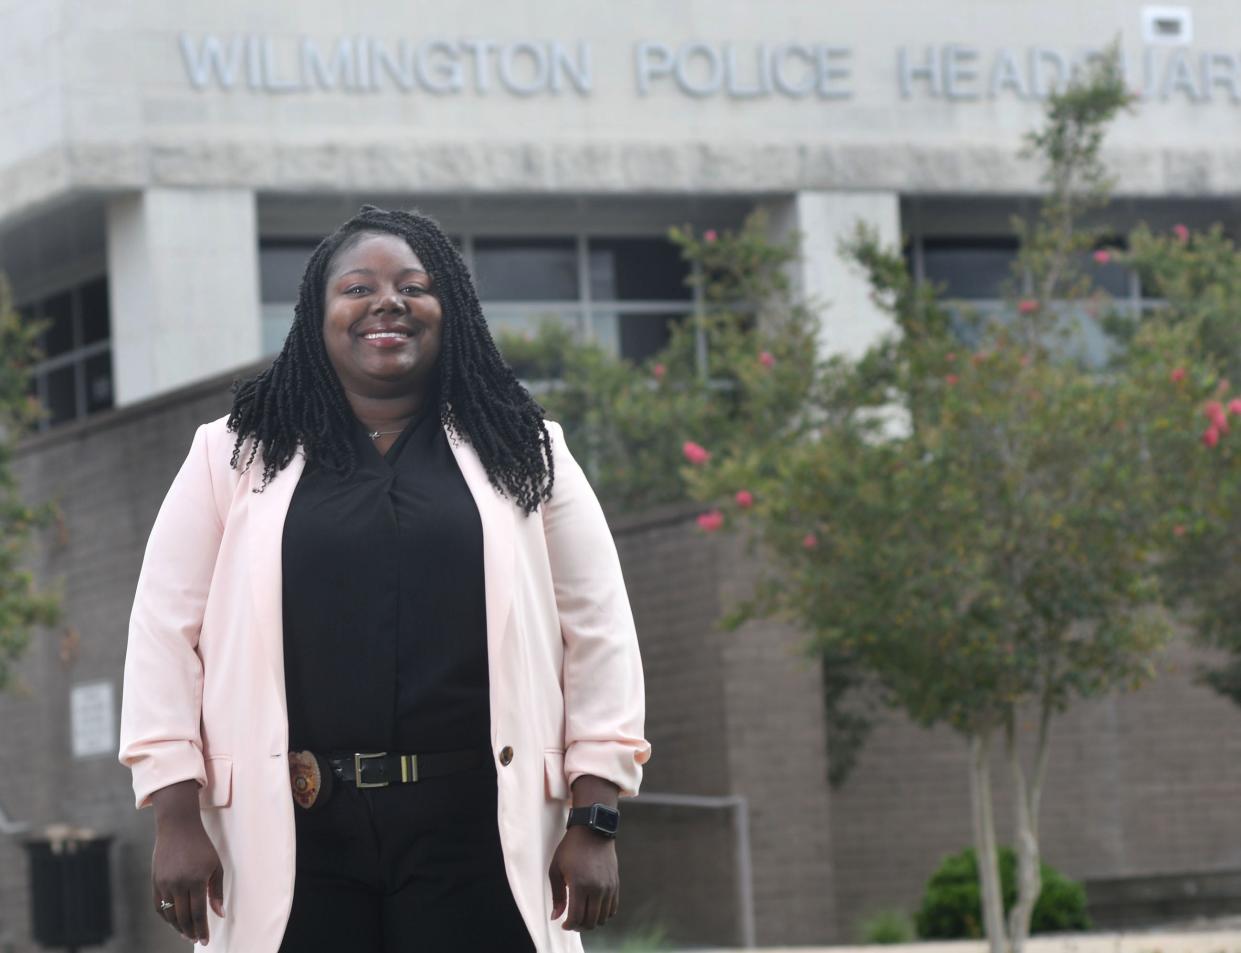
(76,356)
(584,307)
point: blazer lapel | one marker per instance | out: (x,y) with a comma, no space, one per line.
(496,515)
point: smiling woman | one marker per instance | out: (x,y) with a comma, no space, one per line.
(382,330)
(413,766)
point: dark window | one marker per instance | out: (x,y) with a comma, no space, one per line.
(280,269)
(970,268)
(61,395)
(1107,276)
(628,269)
(526,269)
(641,335)
(95,321)
(58,337)
(74,373)
(98,382)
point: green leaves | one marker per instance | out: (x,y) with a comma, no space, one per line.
(22,606)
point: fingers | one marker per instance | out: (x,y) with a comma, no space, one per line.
(215,891)
(590,915)
(188,913)
(168,915)
(615,902)
(577,908)
(185,915)
(558,892)
(198,912)
(590,908)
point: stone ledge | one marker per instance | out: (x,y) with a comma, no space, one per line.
(453,166)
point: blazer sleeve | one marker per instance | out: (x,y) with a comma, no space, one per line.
(161,699)
(604,696)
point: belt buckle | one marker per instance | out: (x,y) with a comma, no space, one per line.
(357,770)
(409,767)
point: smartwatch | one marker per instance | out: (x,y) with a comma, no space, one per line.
(598,817)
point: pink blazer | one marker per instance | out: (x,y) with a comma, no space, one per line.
(203,694)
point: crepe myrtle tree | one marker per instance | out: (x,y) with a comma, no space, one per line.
(1197,278)
(736,371)
(23,607)
(996,557)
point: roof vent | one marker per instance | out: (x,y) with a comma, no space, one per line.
(1168,26)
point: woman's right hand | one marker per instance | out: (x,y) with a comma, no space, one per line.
(185,867)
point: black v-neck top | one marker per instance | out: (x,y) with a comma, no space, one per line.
(385,628)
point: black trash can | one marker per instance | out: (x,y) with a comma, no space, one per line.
(70,890)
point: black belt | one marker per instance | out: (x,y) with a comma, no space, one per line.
(379,769)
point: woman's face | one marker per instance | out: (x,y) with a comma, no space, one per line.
(382,323)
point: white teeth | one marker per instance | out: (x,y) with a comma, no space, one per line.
(384,334)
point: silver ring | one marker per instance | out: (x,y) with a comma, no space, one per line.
(166,905)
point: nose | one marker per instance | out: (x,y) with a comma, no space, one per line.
(391,301)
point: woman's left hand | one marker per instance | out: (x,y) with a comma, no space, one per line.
(585,862)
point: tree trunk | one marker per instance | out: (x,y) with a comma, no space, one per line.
(1026,797)
(984,843)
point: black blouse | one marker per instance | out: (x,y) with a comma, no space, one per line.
(385,628)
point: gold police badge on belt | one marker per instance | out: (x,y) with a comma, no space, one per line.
(311,784)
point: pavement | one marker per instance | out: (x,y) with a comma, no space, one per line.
(1185,940)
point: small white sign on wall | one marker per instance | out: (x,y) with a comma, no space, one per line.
(92,719)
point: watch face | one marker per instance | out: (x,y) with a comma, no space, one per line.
(605,820)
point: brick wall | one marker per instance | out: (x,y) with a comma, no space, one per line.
(109,475)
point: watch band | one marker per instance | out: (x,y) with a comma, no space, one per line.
(598,817)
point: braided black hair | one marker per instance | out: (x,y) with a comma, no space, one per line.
(299,398)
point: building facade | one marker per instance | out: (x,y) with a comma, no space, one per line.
(167,168)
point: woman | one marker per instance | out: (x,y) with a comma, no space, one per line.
(364,677)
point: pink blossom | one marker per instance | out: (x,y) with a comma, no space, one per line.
(710,521)
(1210,436)
(1181,233)
(978,358)
(950,357)
(1027,305)
(951,379)
(1223,386)
(658,372)
(695,453)
(1178,375)
(1025,360)
(710,235)
(809,541)
(1178,530)
(744,498)
(767,359)
(1102,256)
(1215,413)
(1234,406)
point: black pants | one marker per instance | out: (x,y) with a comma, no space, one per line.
(408,867)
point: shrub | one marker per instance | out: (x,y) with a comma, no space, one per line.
(952,906)
(886,926)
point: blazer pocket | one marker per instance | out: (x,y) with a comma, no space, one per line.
(219,789)
(555,782)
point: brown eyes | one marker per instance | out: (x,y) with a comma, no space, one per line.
(412,290)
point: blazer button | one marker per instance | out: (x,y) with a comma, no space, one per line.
(506,755)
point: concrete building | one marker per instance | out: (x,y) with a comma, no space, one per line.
(166,169)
